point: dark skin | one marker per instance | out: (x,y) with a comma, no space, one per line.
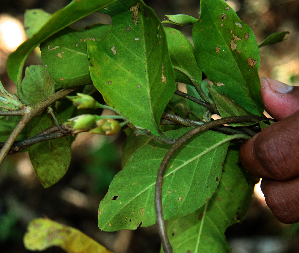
(273,154)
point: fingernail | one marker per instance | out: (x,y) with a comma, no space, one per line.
(278,86)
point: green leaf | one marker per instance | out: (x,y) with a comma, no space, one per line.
(203,230)
(192,176)
(34,20)
(132,143)
(274,38)
(228,107)
(7,125)
(131,67)
(179,19)
(182,55)
(50,159)
(227,52)
(65,54)
(44,233)
(37,84)
(59,20)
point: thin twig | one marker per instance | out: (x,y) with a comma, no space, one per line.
(181,121)
(31,112)
(193,99)
(179,143)
(12,113)
(199,90)
(19,146)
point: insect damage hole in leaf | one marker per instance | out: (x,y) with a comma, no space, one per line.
(115,197)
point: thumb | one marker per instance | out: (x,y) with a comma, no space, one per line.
(280,100)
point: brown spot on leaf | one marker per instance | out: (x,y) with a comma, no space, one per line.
(217,49)
(180,199)
(163,78)
(218,199)
(86,39)
(135,9)
(246,36)
(238,24)
(219,84)
(251,62)
(128,28)
(200,216)
(53,48)
(233,45)
(235,37)
(59,55)
(113,50)
(227,8)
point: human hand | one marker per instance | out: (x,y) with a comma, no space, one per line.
(273,154)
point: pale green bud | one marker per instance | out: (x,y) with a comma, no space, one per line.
(81,123)
(83,101)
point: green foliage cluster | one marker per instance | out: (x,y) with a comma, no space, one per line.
(135,64)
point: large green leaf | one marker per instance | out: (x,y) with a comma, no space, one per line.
(37,84)
(182,55)
(192,176)
(65,54)
(131,67)
(59,20)
(227,52)
(50,159)
(203,230)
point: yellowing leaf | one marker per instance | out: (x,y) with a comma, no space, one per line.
(44,233)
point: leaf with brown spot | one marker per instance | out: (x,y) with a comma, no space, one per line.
(229,65)
(139,69)
(196,165)
(203,230)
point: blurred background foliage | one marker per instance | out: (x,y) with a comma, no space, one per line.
(74,200)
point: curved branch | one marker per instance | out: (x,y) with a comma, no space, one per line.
(179,143)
